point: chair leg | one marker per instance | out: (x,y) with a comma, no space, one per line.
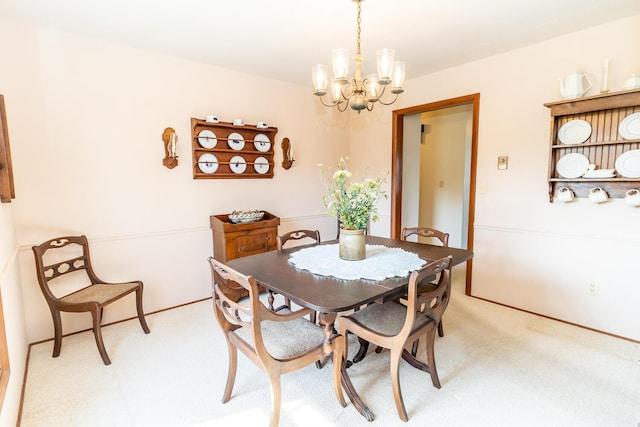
(362,352)
(274,382)
(96,313)
(414,348)
(57,328)
(440,329)
(141,318)
(431,359)
(270,300)
(395,383)
(339,354)
(231,374)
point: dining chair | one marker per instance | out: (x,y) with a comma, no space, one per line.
(436,236)
(278,343)
(296,235)
(68,269)
(396,326)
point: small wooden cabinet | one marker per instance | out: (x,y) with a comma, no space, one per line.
(605,144)
(231,241)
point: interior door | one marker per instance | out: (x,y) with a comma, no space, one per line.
(433,179)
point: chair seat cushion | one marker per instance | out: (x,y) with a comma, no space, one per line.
(286,339)
(388,318)
(99,293)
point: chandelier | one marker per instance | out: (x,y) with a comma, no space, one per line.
(359,92)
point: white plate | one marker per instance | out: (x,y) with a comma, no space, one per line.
(574,132)
(207,139)
(237,164)
(208,163)
(572,165)
(235,141)
(262,142)
(630,127)
(261,165)
(628,164)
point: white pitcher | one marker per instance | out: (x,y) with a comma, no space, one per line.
(572,87)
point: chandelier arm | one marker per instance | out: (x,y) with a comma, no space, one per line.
(389,103)
(344,108)
(325,104)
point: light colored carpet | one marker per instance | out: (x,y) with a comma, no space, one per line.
(498,367)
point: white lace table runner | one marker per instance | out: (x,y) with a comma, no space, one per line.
(381,262)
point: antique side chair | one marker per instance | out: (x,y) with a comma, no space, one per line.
(397,326)
(278,343)
(67,268)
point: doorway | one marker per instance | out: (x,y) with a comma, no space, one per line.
(406,124)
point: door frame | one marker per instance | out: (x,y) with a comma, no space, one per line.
(396,165)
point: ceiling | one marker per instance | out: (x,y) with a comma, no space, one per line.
(282,39)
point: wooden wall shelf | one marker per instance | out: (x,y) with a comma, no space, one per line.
(225,151)
(605,144)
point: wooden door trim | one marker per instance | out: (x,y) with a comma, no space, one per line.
(397,129)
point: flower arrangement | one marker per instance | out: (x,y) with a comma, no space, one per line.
(353,203)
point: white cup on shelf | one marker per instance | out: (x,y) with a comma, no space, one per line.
(565,194)
(212,119)
(598,195)
(632,197)
(238,122)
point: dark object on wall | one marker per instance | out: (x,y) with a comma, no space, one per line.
(7,190)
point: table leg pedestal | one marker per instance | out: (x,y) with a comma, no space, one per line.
(327,320)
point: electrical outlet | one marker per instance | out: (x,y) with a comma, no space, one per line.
(593,288)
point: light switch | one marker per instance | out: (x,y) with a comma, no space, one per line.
(483,188)
(503,162)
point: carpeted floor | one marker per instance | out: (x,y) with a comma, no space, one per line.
(498,367)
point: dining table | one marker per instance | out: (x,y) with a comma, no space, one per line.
(329,295)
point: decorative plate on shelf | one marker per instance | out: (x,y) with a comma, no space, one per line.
(208,163)
(262,142)
(237,164)
(630,127)
(574,132)
(572,165)
(628,164)
(261,165)
(235,141)
(207,139)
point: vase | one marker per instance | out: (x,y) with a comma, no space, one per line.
(352,245)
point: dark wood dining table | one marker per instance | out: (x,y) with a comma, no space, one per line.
(329,295)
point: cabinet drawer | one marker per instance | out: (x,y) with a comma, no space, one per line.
(250,244)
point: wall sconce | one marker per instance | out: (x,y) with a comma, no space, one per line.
(287,153)
(170,142)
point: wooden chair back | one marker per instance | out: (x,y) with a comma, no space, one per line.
(297,235)
(63,256)
(426,233)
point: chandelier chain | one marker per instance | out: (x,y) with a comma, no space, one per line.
(359,22)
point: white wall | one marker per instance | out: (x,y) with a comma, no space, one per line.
(86,123)
(530,253)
